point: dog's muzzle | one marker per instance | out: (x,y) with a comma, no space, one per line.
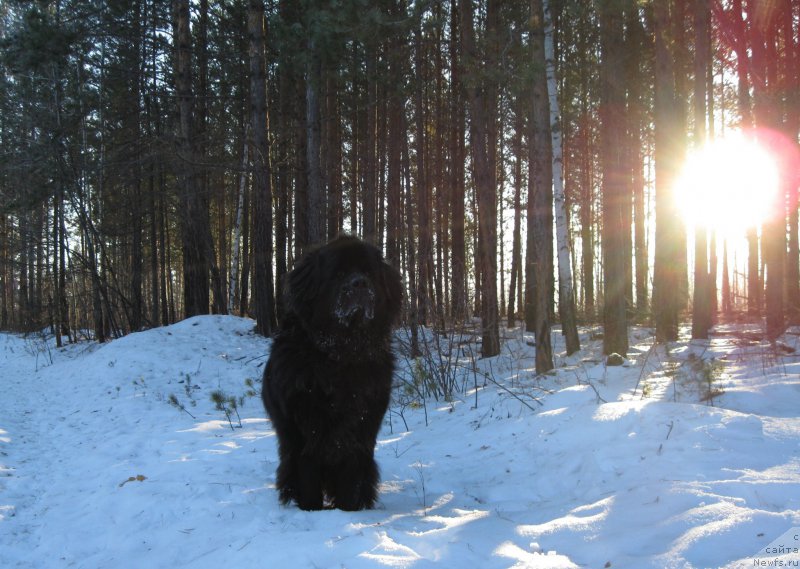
(356,300)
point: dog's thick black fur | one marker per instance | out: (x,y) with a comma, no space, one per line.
(329,376)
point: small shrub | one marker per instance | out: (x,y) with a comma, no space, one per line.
(228,405)
(173,400)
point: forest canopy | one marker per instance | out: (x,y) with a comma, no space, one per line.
(538,163)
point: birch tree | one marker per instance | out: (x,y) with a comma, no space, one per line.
(566,293)
(237,228)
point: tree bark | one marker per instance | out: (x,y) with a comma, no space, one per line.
(424,205)
(262,185)
(370,159)
(394,184)
(481,117)
(791,129)
(666,281)
(586,179)
(194,217)
(615,190)
(516,247)
(637,121)
(540,179)
(566,292)
(457,177)
(237,225)
(316,213)
(701,306)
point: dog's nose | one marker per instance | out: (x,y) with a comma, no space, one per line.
(357,282)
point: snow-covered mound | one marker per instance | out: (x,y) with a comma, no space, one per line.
(116,456)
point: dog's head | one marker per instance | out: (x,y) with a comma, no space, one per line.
(344,293)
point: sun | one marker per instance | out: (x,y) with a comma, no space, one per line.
(728,185)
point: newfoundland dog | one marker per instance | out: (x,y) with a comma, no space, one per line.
(329,376)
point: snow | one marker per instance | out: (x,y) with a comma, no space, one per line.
(686,456)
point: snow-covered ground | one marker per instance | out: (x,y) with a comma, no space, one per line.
(686,457)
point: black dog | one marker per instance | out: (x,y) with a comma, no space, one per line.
(329,376)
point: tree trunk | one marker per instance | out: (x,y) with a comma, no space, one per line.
(333,156)
(155,299)
(666,280)
(637,121)
(615,190)
(586,181)
(316,213)
(194,217)
(566,292)
(218,298)
(746,122)
(137,258)
(370,189)
(516,247)
(5,272)
(262,185)
(792,129)
(237,225)
(701,306)
(424,205)
(727,301)
(457,177)
(411,262)
(57,253)
(481,119)
(540,179)
(394,182)
(246,254)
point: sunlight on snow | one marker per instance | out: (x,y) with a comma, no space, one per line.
(616,411)
(462,517)
(396,438)
(6,510)
(705,521)
(554,412)
(390,553)
(788,473)
(207,427)
(533,560)
(394,486)
(573,521)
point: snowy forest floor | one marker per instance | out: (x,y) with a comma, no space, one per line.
(116,456)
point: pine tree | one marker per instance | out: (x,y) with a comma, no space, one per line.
(615,190)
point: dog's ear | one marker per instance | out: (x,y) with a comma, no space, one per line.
(302,286)
(392,288)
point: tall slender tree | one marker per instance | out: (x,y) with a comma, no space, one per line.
(615,190)
(457,168)
(540,179)
(262,184)
(315,213)
(666,281)
(566,293)
(194,214)
(479,91)
(702,303)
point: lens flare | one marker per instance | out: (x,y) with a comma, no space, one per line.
(731,184)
